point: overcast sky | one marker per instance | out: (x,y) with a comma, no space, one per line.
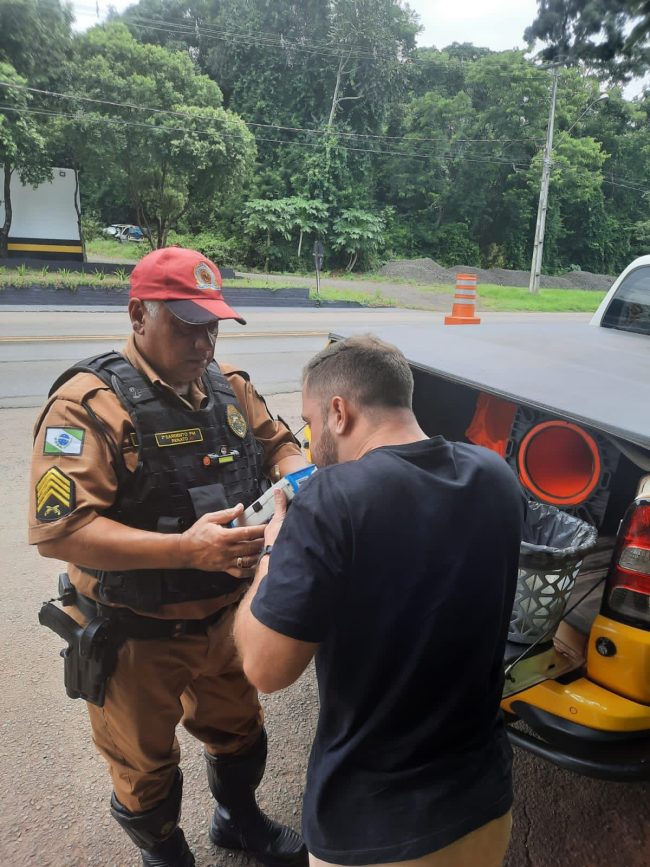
(497,24)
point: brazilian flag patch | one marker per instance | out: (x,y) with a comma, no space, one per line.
(63,441)
(55,496)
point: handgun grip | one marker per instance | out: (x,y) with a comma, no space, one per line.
(58,621)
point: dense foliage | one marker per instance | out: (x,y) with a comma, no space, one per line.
(257,127)
(610,35)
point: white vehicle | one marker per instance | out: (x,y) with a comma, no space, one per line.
(124,232)
(626,307)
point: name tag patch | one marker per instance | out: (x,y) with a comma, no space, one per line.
(63,441)
(179,437)
(55,495)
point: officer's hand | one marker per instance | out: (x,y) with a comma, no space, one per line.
(273,527)
(212,546)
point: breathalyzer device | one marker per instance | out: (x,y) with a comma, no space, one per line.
(262,509)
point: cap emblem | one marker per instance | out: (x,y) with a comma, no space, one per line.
(204,276)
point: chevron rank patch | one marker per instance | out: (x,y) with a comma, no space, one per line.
(55,496)
(63,441)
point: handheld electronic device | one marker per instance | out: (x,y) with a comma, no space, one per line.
(262,509)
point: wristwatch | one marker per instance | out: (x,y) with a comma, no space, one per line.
(265,550)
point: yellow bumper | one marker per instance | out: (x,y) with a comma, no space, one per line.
(587,704)
(627,670)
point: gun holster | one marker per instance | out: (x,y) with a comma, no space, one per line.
(91,653)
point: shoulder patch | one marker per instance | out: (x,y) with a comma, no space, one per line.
(236,421)
(55,495)
(63,441)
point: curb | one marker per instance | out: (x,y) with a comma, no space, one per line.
(89,296)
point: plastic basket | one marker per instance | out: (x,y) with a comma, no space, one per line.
(554,545)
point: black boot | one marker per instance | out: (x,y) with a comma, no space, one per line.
(156,832)
(237,822)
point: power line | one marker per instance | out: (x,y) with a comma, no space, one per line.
(187,27)
(149,127)
(194,27)
(321,132)
(635,186)
(626,186)
(447,66)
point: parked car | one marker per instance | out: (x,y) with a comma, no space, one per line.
(125,232)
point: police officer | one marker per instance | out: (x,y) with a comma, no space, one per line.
(141,461)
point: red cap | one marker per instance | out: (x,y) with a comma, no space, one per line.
(188,283)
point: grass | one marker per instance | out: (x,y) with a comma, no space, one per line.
(367,299)
(61,278)
(116,250)
(510,298)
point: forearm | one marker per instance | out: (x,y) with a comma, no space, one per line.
(105,544)
(246,629)
(244,618)
(291,463)
(211,545)
(271,661)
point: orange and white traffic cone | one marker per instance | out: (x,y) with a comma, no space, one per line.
(463,309)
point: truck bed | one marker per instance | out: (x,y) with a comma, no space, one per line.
(593,376)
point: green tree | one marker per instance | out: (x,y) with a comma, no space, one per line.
(23,150)
(283,217)
(609,35)
(268,217)
(576,220)
(36,38)
(339,66)
(308,217)
(170,145)
(357,233)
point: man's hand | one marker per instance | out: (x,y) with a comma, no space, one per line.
(212,546)
(273,527)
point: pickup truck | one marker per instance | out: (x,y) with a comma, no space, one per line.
(567,404)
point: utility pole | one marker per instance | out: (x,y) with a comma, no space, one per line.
(538,246)
(319,253)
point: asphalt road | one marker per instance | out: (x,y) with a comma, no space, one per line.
(35,346)
(54,789)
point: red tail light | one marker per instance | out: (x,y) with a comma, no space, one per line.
(627,592)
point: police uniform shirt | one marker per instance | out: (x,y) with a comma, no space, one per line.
(73,475)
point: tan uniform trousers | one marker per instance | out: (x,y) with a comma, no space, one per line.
(196,680)
(484,847)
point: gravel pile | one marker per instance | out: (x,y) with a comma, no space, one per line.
(504,277)
(587,280)
(419,270)
(429,271)
(552,282)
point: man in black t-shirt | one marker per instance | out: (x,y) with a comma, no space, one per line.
(395,566)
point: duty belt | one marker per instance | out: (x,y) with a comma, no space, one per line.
(132,625)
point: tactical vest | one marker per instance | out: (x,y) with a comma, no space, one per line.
(189,462)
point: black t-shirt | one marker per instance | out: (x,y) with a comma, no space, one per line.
(402,565)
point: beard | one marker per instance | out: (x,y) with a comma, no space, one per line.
(326,453)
